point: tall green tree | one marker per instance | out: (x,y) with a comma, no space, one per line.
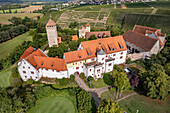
(109,106)
(157,82)
(120,81)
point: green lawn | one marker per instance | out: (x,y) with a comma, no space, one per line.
(98,84)
(9,46)
(61,103)
(144,104)
(5,77)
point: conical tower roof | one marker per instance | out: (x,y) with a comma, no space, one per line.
(50,23)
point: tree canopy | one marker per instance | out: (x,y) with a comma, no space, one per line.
(109,106)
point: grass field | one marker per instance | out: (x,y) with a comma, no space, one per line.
(144,105)
(9,46)
(61,103)
(5,17)
(98,84)
(5,77)
(31,8)
(12,10)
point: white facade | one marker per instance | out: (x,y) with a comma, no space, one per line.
(83,30)
(52,35)
(94,67)
(27,71)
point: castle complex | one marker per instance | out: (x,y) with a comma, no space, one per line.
(92,57)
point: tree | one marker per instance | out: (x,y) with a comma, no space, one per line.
(38,17)
(167,68)
(120,81)
(134,81)
(109,106)
(73,45)
(73,25)
(92,37)
(90,78)
(10,11)
(85,102)
(63,81)
(157,82)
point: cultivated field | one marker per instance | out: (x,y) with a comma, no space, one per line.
(4,17)
(8,47)
(61,103)
(31,8)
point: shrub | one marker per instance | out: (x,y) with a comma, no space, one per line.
(107,79)
(119,69)
(72,92)
(72,78)
(29,81)
(82,76)
(63,82)
(90,78)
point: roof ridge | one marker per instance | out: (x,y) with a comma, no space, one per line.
(147,27)
(143,35)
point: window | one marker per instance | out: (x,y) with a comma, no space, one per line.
(98,70)
(25,76)
(82,66)
(121,53)
(121,57)
(28,67)
(36,77)
(32,72)
(24,71)
(76,63)
(92,59)
(53,41)
(110,64)
(113,58)
(114,54)
(90,69)
(77,67)
(102,58)
(73,63)
(24,63)
(23,66)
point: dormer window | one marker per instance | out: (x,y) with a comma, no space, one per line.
(120,45)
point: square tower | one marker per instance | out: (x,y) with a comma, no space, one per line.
(51,33)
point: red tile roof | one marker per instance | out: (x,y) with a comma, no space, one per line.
(30,58)
(75,37)
(27,52)
(91,47)
(50,23)
(140,40)
(87,25)
(59,39)
(143,29)
(50,63)
(39,60)
(96,33)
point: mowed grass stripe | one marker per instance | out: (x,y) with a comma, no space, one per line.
(54,105)
(5,78)
(7,47)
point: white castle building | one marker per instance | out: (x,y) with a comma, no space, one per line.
(83,30)
(92,58)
